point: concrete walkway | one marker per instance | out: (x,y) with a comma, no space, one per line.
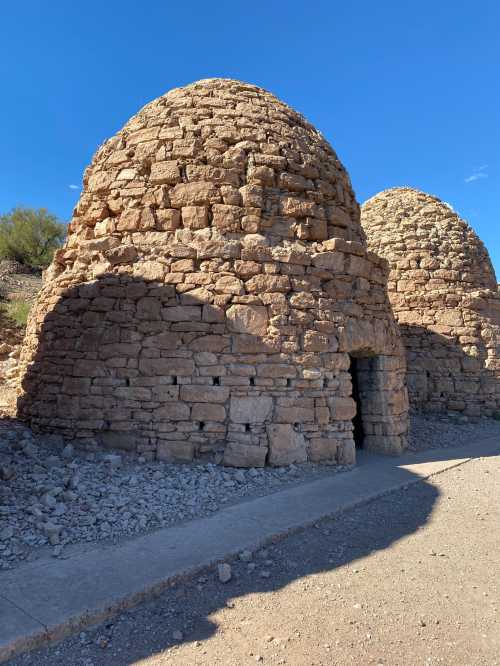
(46,600)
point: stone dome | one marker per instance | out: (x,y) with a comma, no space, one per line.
(416,231)
(213,288)
(228,158)
(444,294)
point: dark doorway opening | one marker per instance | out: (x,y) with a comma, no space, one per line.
(357,421)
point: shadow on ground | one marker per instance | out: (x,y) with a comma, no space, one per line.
(187,607)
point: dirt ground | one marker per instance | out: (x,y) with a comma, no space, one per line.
(409,579)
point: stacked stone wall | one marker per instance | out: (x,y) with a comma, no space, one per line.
(213,286)
(444,294)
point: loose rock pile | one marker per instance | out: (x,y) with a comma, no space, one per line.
(442,431)
(214,286)
(444,294)
(52,496)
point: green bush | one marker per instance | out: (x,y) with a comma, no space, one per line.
(17,311)
(30,236)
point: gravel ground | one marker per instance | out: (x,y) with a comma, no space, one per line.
(441,431)
(54,500)
(410,579)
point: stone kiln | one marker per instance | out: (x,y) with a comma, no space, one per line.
(213,291)
(444,294)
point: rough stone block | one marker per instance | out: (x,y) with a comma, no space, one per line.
(172,411)
(175,451)
(346,453)
(194,393)
(332,261)
(244,455)
(342,409)
(250,319)
(182,313)
(295,414)
(208,412)
(165,173)
(286,446)
(193,194)
(195,217)
(150,367)
(323,448)
(250,409)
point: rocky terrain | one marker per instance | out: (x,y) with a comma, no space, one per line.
(18,284)
(54,499)
(445,431)
(373,586)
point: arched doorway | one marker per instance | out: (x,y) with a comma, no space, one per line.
(379,391)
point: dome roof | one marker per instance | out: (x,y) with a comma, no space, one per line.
(215,159)
(417,231)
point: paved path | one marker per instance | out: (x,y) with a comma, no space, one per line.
(43,600)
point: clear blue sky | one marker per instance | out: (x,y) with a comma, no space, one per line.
(408,93)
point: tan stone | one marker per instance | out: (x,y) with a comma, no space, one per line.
(172,411)
(250,409)
(125,254)
(148,308)
(168,219)
(129,220)
(226,218)
(332,261)
(208,412)
(294,414)
(346,454)
(268,284)
(314,341)
(182,313)
(192,194)
(244,455)
(149,270)
(195,217)
(323,448)
(216,394)
(250,319)
(165,172)
(175,451)
(295,207)
(286,446)
(438,268)
(342,409)
(228,284)
(166,367)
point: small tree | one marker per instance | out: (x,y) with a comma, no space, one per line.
(30,236)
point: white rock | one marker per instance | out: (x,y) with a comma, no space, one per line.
(245,556)
(224,572)
(6,533)
(68,452)
(114,460)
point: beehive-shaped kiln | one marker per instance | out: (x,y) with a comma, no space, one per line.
(444,294)
(213,292)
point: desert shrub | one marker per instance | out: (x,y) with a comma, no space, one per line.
(30,236)
(17,311)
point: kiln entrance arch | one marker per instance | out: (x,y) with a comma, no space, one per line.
(357,421)
(379,391)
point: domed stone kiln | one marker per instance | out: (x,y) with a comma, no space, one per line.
(444,294)
(215,297)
